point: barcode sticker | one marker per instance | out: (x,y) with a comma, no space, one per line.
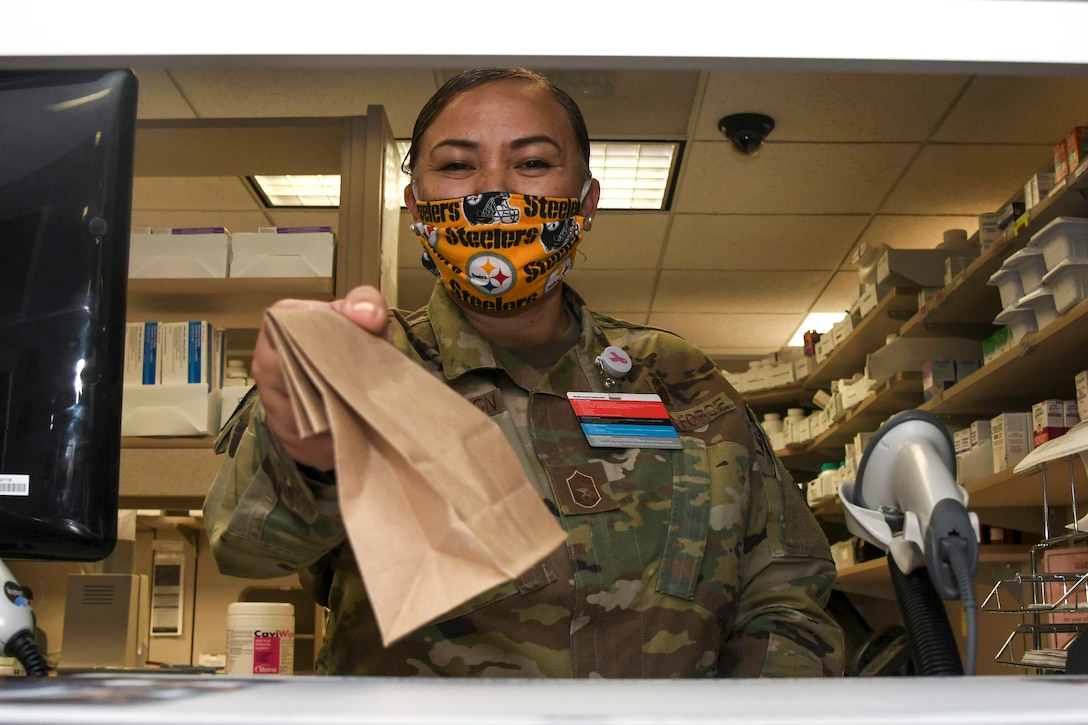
(14,484)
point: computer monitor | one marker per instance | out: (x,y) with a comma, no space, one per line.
(66,161)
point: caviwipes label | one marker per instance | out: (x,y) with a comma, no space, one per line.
(261,652)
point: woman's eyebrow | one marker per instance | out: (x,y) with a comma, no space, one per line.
(519,143)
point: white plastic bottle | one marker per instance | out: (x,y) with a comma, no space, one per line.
(260,638)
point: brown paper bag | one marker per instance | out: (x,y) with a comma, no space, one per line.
(436,505)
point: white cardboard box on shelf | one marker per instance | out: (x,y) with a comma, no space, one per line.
(170,410)
(913,267)
(179,253)
(842,329)
(1012,439)
(283,252)
(867,299)
(780,374)
(976,463)
(980,433)
(803,367)
(824,347)
(903,354)
(852,392)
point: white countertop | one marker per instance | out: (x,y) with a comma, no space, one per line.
(210,700)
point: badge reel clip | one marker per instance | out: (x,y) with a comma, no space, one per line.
(614,364)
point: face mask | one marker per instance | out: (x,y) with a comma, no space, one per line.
(497,250)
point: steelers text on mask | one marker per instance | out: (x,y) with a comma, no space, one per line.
(491,238)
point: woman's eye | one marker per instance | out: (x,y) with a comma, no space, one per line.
(455,166)
(535,164)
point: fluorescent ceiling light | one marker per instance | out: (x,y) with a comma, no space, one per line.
(821,322)
(634,175)
(297,190)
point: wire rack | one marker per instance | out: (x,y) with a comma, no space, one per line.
(1052,603)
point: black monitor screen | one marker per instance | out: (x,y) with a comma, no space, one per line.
(66,149)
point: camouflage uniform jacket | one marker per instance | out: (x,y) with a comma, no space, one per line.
(698,562)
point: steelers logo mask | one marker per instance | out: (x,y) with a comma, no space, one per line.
(497,250)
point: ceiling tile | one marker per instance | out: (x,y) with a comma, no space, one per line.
(614,292)
(848,107)
(840,293)
(702,291)
(158,97)
(1017,110)
(789,178)
(295,92)
(748,241)
(623,240)
(965,179)
(641,105)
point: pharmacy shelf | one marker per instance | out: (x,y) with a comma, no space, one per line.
(1025,489)
(848,357)
(228,303)
(901,392)
(872,578)
(770,400)
(1041,366)
(964,306)
(167,476)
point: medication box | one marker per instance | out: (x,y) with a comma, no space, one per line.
(988,230)
(996,344)
(1038,187)
(1061,161)
(1047,421)
(283,252)
(1011,437)
(186,397)
(1076,147)
(188,353)
(141,353)
(937,375)
(179,253)
(914,267)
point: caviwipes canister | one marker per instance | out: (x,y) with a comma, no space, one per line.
(260,638)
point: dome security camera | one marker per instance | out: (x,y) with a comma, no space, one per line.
(746,131)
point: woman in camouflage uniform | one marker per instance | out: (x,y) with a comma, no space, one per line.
(694,559)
